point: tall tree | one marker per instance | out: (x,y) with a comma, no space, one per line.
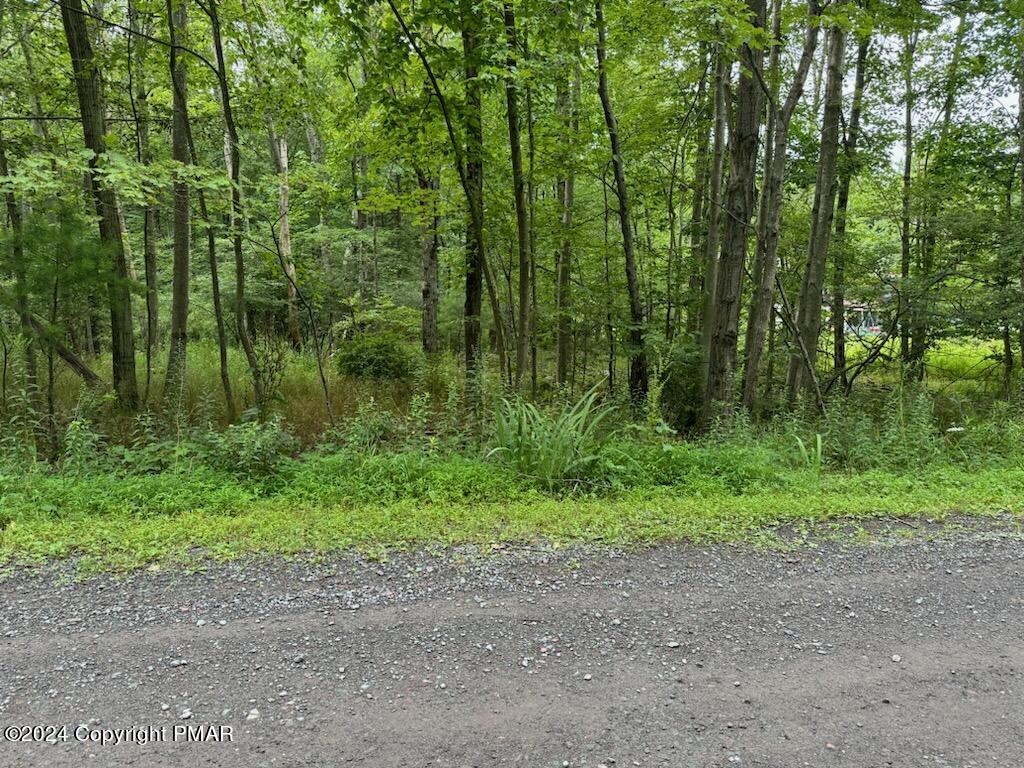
(847,170)
(430,290)
(759,316)
(519,191)
(177,20)
(739,207)
(808,320)
(637,341)
(233,151)
(88,86)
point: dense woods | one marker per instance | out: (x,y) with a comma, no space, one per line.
(705,209)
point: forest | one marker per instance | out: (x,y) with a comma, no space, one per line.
(288,275)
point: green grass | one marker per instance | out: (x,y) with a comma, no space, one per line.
(127,523)
(120,493)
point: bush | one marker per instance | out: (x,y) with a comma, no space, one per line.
(375,356)
(249,449)
(910,438)
(682,390)
(555,451)
(350,477)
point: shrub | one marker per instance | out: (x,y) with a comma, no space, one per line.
(375,356)
(681,392)
(555,450)
(909,438)
(368,430)
(250,449)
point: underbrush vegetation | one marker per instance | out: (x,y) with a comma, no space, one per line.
(577,469)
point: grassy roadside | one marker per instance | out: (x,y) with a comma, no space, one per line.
(289,521)
(560,474)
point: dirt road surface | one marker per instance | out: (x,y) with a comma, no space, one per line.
(895,653)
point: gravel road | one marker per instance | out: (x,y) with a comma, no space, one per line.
(902,652)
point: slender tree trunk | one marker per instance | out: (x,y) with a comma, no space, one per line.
(429,187)
(1020,169)
(808,319)
(20,282)
(90,101)
(846,172)
(909,47)
(566,100)
(475,253)
(233,151)
(519,190)
(637,353)
(279,150)
(761,315)
(697,211)
(149,220)
(739,205)
(714,214)
(176,357)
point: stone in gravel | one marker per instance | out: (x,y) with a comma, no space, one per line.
(673,644)
(897,658)
(201,623)
(254,714)
(588,677)
(186,714)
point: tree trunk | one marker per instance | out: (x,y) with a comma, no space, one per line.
(566,100)
(761,316)
(637,353)
(701,173)
(149,220)
(739,205)
(279,150)
(20,282)
(90,101)
(233,152)
(519,191)
(177,353)
(842,203)
(808,319)
(429,187)
(714,213)
(909,46)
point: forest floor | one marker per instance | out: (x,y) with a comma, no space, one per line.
(905,648)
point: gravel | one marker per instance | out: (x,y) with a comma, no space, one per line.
(902,651)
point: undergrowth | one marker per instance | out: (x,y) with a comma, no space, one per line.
(166,487)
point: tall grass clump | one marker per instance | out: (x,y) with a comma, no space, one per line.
(556,450)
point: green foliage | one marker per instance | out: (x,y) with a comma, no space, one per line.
(250,449)
(368,430)
(682,390)
(909,437)
(560,450)
(812,455)
(82,446)
(375,356)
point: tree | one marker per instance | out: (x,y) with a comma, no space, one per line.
(637,352)
(181,276)
(739,207)
(802,362)
(90,101)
